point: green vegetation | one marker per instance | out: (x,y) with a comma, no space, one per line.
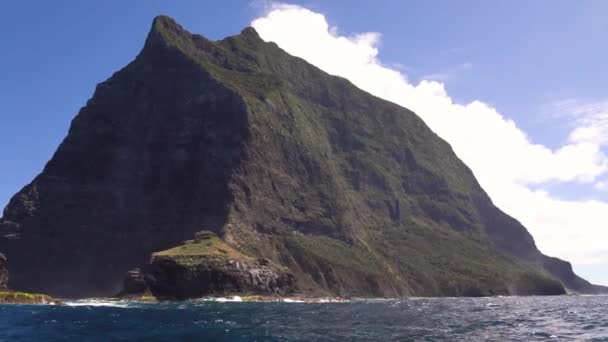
(146,298)
(206,248)
(209,245)
(254,298)
(13,297)
(371,200)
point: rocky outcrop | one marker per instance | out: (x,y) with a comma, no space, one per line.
(182,277)
(207,266)
(204,267)
(3,273)
(562,270)
(353,195)
(14,297)
(134,283)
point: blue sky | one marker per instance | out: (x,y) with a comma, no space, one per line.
(537,63)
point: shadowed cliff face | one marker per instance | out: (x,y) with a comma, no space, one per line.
(145,164)
(3,272)
(562,270)
(355,195)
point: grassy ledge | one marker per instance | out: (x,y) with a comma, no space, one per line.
(14,297)
(204,248)
(208,245)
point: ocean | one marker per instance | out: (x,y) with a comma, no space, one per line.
(562,318)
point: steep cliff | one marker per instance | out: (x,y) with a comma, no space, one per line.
(352,194)
(562,270)
(3,273)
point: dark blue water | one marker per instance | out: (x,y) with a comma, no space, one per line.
(458,319)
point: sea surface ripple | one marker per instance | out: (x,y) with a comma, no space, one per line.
(562,318)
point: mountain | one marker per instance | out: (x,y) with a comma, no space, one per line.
(288,165)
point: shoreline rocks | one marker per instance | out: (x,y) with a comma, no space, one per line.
(134,283)
(8,296)
(15,297)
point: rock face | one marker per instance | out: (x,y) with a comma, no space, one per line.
(191,277)
(134,283)
(354,195)
(562,270)
(3,273)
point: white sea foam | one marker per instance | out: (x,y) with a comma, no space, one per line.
(289,300)
(223,299)
(99,303)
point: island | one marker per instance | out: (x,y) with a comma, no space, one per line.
(230,167)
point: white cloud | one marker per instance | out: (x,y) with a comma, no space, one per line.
(601,185)
(450,74)
(504,159)
(591,119)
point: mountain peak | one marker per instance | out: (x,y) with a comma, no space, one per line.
(164,22)
(165,31)
(250,32)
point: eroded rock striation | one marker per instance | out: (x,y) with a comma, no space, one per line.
(3,273)
(350,194)
(199,276)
